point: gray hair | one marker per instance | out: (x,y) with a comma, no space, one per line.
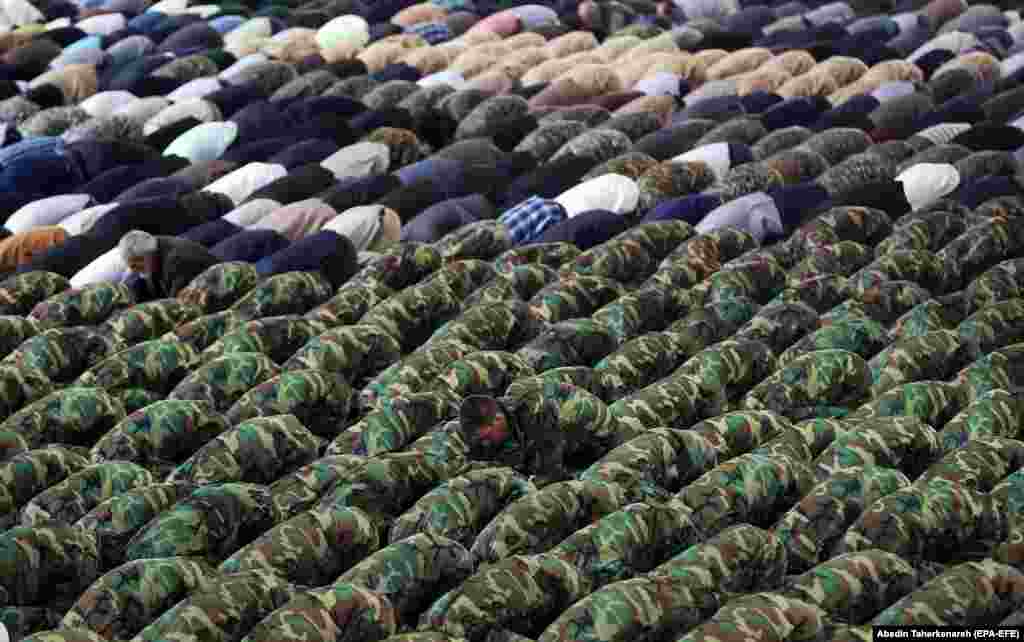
(137,244)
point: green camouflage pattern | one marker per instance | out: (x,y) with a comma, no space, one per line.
(998,369)
(482,373)
(302,489)
(811,384)
(402,266)
(11,444)
(277,337)
(864,337)
(89,305)
(411,571)
(256,451)
(75,416)
(1002,282)
(885,301)
(321,401)
(350,302)
(676,401)
(996,326)
(150,320)
(854,587)
(282,294)
(730,367)
(63,354)
(161,435)
(933,402)
(642,609)
(222,381)
(339,612)
(753,488)
(22,292)
(519,593)
(540,520)
(47,565)
(397,422)
(997,413)
(646,309)
(552,255)
(812,526)
(659,460)
(521,283)
(640,362)
(944,313)
(981,247)
(969,594)
(935,521)
(762,616)
(574,296)
(580,376)
(358,352)
(480,240)
(16,330)
(628,542)
(23,621)
(622,260)
(759,278)
(119,604)
(27,474)
(223,610)
(220,286)
(935,355)
(412,315)
(821,292)
(902,442)
(979,465)
(157,366)
(459,508)
(737,560)
(205,330)
(211,523)
(779,325)
(842,258)
(65,635)
(660,238)
(388,485)
(491,326)
(116,520)
(71,499)
(464,276)
(415,373)
(311,549)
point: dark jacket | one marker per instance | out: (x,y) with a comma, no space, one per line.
(180,261)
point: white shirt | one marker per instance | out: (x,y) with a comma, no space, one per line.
(358,160)
(251,212)
(453,79)
(241,183)
(612,192)
(205,142)
(195,89)
(83,221)
(106,103)
(360,224)
(46,211)
(242,64)
(754,213)
(925,183)
(103,25)
(715,155)
(108,267)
